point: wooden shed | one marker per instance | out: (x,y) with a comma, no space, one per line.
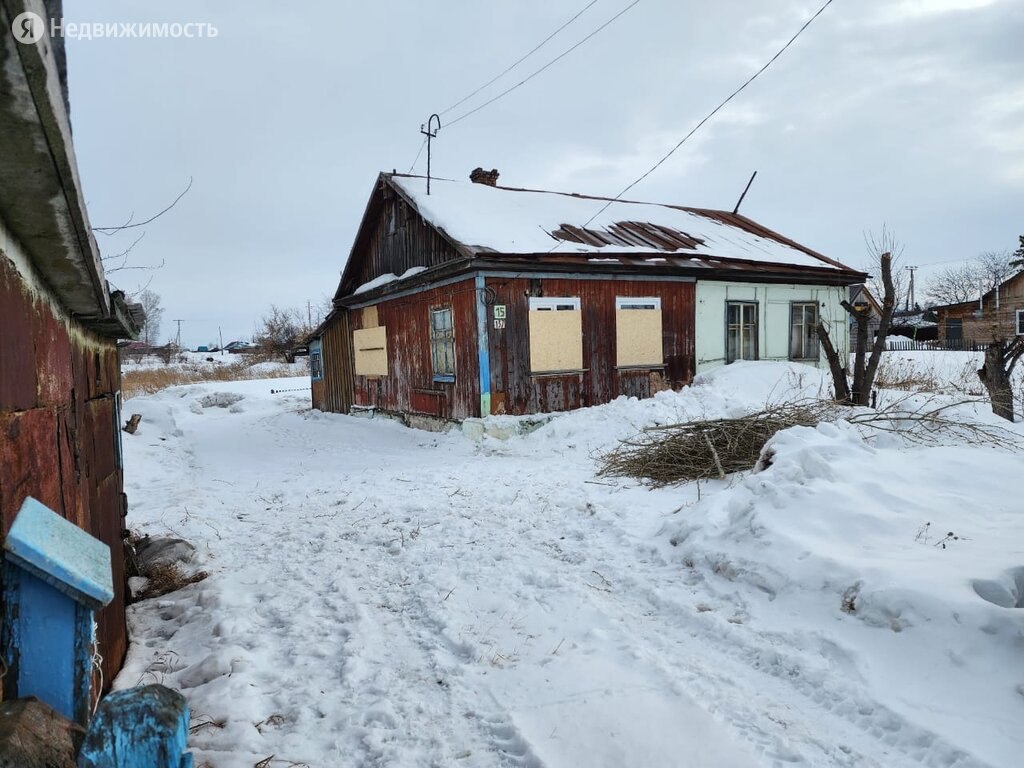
(477,299)
(59,369)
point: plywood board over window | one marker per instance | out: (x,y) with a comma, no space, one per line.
(556,335)
(371,351)
(638,340)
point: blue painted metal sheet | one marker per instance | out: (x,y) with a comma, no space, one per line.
(482,350)
(61,554)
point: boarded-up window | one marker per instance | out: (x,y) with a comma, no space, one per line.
(556,334)
(638,339)
(371,348)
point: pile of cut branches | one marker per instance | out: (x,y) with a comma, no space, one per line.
(700,450)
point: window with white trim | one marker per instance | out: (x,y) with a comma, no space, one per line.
(556,334)
(442,343)
(638,336)
(1020,322)
(740,331)
(803,330)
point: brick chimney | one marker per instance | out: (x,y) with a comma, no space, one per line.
(480,176)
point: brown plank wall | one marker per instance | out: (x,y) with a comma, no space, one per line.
(409,387)
(334,392)
(993,323)
(514,390)
(58,435)
(398,238)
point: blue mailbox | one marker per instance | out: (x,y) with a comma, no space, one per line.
(55,576)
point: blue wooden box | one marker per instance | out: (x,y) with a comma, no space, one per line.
(55,575)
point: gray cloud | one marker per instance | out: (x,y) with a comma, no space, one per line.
(908,113)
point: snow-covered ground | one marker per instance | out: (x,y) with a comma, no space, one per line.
(380,596)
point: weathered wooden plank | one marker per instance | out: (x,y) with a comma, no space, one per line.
(138,728)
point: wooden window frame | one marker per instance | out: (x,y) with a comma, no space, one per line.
(756,328)
(446,339)
(817,344)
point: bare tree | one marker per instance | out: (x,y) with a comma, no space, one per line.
(994,268)
(280,331)
(885,242)
(864,367)
(954,284)
(150,301)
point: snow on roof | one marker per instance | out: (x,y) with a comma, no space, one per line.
(514,221)
(386,278)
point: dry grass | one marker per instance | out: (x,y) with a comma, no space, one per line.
(168,577)
(149,380)
(896,373)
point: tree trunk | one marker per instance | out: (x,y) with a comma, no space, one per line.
(839,379)
(996,374)
(860,393)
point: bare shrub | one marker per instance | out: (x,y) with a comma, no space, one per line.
(707,449)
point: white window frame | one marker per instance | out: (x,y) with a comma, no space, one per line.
(554,303)
(792,327)
(443,340)
(637,302)
(1020,314)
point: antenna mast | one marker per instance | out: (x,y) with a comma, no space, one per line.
(430,132)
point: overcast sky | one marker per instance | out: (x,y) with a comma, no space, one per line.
(908,112)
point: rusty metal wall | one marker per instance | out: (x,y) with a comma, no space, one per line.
(409,386)
(514,390)
(333,392)
(58,434)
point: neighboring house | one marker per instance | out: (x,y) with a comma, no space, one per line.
(479,299)
(861,294)
(999,314)
(60,377)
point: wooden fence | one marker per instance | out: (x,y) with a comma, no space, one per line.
(946,345)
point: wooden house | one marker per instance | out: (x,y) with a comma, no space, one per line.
(59,326)
(477,299)
(998,314)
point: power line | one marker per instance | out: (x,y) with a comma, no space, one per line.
(527,79)
(422,145)
(519,61)
(713,112)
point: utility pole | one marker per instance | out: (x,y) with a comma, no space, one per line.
(309,314)
(910,294)
(220,335)
(177,341)
(430,132)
